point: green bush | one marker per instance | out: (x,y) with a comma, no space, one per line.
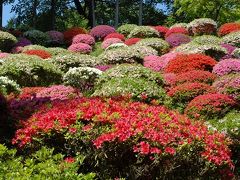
(143,32)
(37,37)
(126,29)
(7,41)
(67,61)
(137,89)
(82,78)
(207,39)
(232,38)
(55,51)
(30,70)
(8,86)
(142,51)
(158,44)
(41,165)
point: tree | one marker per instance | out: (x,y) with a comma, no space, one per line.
(219,10)
(117,14)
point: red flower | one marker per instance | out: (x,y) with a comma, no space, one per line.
(69,160)
(228,28)
(70,33)
(170,150)
(179,30)
(132,41)
(40,53)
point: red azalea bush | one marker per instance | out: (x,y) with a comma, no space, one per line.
(179,30)
(209,106)
(40,53)
(194,76)
(185,92)
(188,62)
(101,31)
(83,38)
(115,35)
(162,30)
(132,41)
(228,28)
(70,33)
(128,137)
(80,48)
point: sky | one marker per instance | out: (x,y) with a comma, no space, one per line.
(6,14)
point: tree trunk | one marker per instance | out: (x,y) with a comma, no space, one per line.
(34,13)
(79,8)
(93,14)
(53,14)
(117,13)
(140,13)
(1,13)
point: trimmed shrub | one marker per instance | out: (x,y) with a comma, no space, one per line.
(236,53)
(30,70)
(64,62)
(132,71)
(207,39)
(158,63)
(184,93)
(194,76)
(37,37)
(40,53)
(177,39)
(103,67)
(178,30)
(7,41)
(3,55)
(126,138)
(33,47)
(126,29)
(115,35)
(158,44)
(183,25)
(212,50)
(230,49)
(101,31)
(80,48)
(58,92)
(229,84)
(227,66)
(183,63)
(209,106)
(132,41)
(202,26)
(70,33)
(8,86)
(83,38)
(115,46)
(137,89)
(56,38)
(162,30)
(228,28)
(232,38)
(55,51)
(142,51)
(110,41)
(143,32)
(23,42)
(82,78)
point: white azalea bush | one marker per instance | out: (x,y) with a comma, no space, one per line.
(7,41)
(232,38)
(126,29)
(8,86)
(207,39)
(82,78)
(202,26)
(143,32)
(116,46)
(236,53)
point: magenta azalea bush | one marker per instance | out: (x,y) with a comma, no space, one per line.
(103,67)
(80,48)
(230,48)
(177,39)
(227,66)
(110,41)
(23,42)
(56,37)
(101,31)
(84,38)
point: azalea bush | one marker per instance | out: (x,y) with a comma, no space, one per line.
(209,106)
(40,53)
(142,50)
(55,38)
(80,48)
(228,28)
(232,38)
(115,35)
(227,66)
(8,86)
(236,53)
(184,63)
(70,33)
(207,39)
(82,78)
(121,139)
(64,62)
(162,30)
(109,41)
(101,31)
(7,41)
(83,38)
(132,41)
(30,70)
(126,29)
(177,39)
(178,30)
(37,37)
(143,32)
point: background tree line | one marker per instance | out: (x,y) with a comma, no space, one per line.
(62,14)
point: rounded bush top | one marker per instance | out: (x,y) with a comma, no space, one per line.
(7,41)
(101,31)
(37,37)
(143,32)
(126,29)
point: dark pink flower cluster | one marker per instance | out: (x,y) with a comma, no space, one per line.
(101,31)
(83,38)
(115,35)
(110,41)
(80,48)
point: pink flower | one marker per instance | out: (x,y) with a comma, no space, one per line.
(170,150)
(81,48)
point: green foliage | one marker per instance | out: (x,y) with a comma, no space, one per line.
(143,32)
(207,39)
(7,41)
(8,86)
(55,51)
(142,51)
(71,60)
(97,49)
(37,37)
(41,165)
(30,70)
(126,29)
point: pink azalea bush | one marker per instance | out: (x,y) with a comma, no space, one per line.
(23,42)
(81,48)
(110,41)
(83,38)
(3,55)
(230,48)
(227,66)
(177,39)
(103,67)
(115,35)
(101,31)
